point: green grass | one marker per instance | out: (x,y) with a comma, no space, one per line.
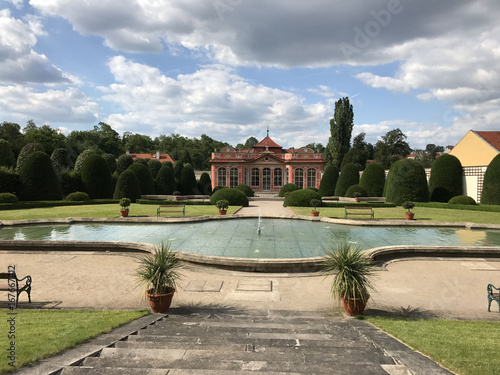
(102,210)
(421,214)
(464,347)
(41,333)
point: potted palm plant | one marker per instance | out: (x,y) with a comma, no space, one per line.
(160,272)
(124,204)
(315,203)
(408,205)
(222,205)
(352,271)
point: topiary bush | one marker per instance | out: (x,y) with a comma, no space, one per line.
(300,198)
(78,196)
(187,181)
(9,180)
(205,184)
(61,159)
(96,177)
(26,151)
(356,189)
(141,161)
(123,162)
(38,180)
(462,199)
(349,175)
(491,183)
(6,155)
(81,159)
(111,160)
(373,179)
(165,180)
(8,198)
(144,177)
(446,178)
(406,181)
(233,196)
(127,186)
(219,187)
(154,167)
(287,188)
(245,189)
(329,181)
(70,181)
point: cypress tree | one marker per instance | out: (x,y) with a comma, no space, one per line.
(446,178)
(349,175)
(373,179)
(329,181)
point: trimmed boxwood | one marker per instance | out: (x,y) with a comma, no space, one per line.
(329,181)
(7,158)
(96,177)
(154,167)
(165,181)
(123,162)
(78,196)
(37,179)
(356,189)
(144,177)
(233,196)
(187,181)
(9,180)
(406,181)
(205,184)
(446,178)
(287,188)
(245,189)
(219,187)
(349,175)
(462,199)
(300,198)
(127,186)
(111,160)
(70,182)
(373,179)
(8,198)
(25,152)
(81,159)
(491,183)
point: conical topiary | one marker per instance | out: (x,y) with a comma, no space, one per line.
(491,183)
(349,175)
(373,179)
(329,181)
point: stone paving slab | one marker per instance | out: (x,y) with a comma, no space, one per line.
(203,286)
(254,285)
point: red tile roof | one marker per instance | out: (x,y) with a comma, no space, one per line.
(267,142)
(163,157)
(493,138)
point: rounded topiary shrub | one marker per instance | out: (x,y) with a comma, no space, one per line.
(349,175)
(219,187)
(329,181)
(9,180)
(462,199)
(144,177)
(300,198)
(154,167)
(356,189)
(245,189)
(111,160)
(287,188)
(96,177)
(446,178)
(70,182)
(141,161)
(406,181)
(78,196)
(205,184)
(373,179)
(81,159)
(123,162)
(187,181)
(6,155)
(38,180)
(60,158)
(26,151)
(8,198)
(491,183)
(233,196)
(127,186)
(165,180)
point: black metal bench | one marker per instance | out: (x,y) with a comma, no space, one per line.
(493,296)
(356,211)
(171,208)
(15,286)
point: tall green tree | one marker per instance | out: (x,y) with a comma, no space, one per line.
(391,148)
(341,129)
(11,132)
(49,138)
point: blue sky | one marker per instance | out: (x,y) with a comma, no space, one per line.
(231,68)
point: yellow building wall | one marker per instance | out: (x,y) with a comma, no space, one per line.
(473,151)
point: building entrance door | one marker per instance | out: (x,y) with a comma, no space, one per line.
(266,179)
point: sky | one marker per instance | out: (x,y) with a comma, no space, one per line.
(230,69)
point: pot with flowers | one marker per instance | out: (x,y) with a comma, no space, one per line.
(315,203)
(222,205)
(408,205)
(124,204)
(160,272)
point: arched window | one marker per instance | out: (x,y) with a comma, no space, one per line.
(255,177)
(233,177)
(266,179)
(311,178)
(299,178)
(278,177)
(221,176)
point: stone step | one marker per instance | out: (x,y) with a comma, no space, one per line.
(86,370)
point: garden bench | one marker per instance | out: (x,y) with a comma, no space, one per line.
(493,296)
(359,211)
(171,208)
(15,285)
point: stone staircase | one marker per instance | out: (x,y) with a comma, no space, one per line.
(255,342)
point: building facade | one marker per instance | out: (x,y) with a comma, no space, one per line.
(266,167)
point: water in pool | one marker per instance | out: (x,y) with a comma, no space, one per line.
(239,238)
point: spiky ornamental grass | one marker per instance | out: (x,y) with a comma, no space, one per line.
(352,270)
(160,270)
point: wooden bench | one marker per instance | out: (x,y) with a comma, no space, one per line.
(171,208)
(493,296)
(356,211)
(15,286)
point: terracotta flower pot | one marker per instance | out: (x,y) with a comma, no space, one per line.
(314,213)
(354,306)
(222,212)
(409,215)
(124,213)
(356,200)
(160,303)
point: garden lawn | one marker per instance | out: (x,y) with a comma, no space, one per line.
(421,214)
(464,347)
(41,333)
(104,210)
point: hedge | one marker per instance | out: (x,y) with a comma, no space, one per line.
(37,179)
(446,178)
(479,207)
(70,182)
(7,158)
(9,180)
(373,179)
(144,177)
(491,183)
(406,181)
(127,186)
(233,196)
(45,204)
(245,189)
(462,199)
(300,198)
(287,188)
(168,201)
(8,198)
(96,177)
(349,175)
(78,196)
